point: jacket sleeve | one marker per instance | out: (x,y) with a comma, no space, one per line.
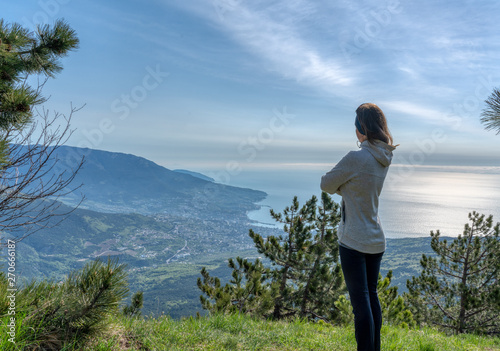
(339,175)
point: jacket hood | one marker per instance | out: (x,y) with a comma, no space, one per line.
(380,150)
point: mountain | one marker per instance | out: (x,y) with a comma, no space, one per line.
(164,225)
(123,183)
(195,174)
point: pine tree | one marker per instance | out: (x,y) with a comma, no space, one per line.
(23,53)
(304,278)
(323,276)
(289,255)
(136,303)
(54,313)
(490,116)
(460,284)
(28,135)
(395,309)
(247,292)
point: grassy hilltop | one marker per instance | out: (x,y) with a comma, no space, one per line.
(240,332)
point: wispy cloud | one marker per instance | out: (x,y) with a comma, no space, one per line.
(411,109)
(278,44)
(434,116)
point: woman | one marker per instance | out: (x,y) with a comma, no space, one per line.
(358,178)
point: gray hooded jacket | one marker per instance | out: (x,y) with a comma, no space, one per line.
(359,178)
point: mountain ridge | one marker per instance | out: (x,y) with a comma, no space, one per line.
(195,174)
(124,183)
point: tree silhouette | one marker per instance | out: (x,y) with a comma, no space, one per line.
(29,136)
(461,283)
(490,116)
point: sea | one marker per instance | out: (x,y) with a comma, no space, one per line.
(415,200)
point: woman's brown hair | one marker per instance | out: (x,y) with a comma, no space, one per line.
(373,123)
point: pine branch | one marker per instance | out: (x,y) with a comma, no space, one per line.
(486,281)
(447,273)
(490,116)
(480,257)
(485,308)
(438,305)
(484,324)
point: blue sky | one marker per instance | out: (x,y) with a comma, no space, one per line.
(213,85)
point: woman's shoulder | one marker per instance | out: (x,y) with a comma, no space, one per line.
(356,155)
(352,160)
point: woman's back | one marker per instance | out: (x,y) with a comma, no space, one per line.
(359,178)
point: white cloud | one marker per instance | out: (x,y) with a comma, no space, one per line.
(467,126)
(278,44)
(421,112)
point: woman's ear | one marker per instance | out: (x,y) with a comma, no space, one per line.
(360,136)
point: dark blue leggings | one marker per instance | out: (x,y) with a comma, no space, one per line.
(361,274)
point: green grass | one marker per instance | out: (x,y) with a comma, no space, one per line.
(239,332)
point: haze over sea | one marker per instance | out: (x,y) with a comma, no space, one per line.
(414,201)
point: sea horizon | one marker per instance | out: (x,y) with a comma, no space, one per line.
(414,200)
